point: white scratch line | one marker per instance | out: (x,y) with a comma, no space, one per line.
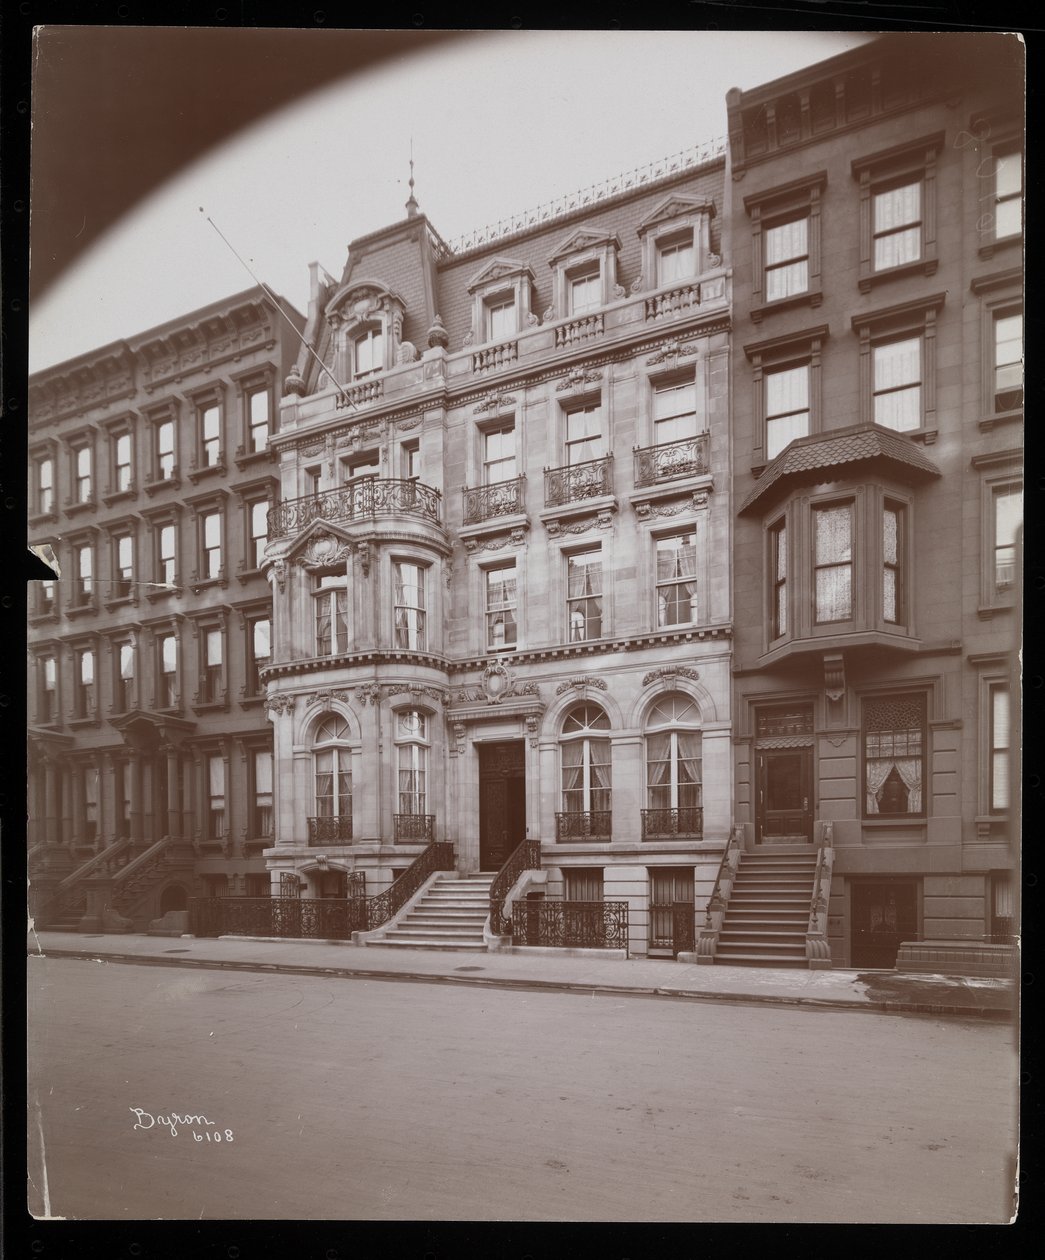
(43,1161)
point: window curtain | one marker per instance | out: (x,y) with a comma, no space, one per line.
(910,770)
(573,777)
(788,240)
(599,781)
(658,770)
(689,769)
(325,785)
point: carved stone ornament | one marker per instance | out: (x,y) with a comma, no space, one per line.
(531,320)
(407,352)
(672,349)
(576,378)
(496,543)
(834,675)
(619,291)
(365,553)
(670,671)
(448,575)
(437,334)
(279,572)
(457,730)
(327,695)
(280,704)
(417,690)
(414,422)
(494,402)
(469,337)
(637,283)
(713,260)
(587,681)
(368,693)
(548,315)
(495,685)
(533,725)
(324,550)
(294,382)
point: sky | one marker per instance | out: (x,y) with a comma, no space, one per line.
(499,123)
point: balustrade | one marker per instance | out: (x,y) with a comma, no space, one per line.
(577,482)
(368,497)
(587,825)
(501,498)
(673,301)
(685,458)
(330,831)
(571,924)
(576,330)
(659,824)
(490,358)
(414,828)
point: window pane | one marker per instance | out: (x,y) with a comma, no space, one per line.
(126,661)
(213,647)
(897,208)
(87,667)
(834,540)
(1008,218)
(169,653)
(898,363)
(786,241)
(502,320)
(787,280)
(124,549)
(1008,174)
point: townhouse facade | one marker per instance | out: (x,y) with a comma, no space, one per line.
(150,480)
(499,563)
(876,243)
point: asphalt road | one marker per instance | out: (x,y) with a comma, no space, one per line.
(356,1099)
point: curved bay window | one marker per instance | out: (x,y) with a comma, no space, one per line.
(409,610)
(673,770)
(413,822)
(584,754)
(332,767)
(894,756)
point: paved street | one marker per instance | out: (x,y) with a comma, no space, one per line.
(349,1099)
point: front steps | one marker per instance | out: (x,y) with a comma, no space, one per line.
(449,915)
(768,912)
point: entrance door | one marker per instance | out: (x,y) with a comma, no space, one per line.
(671,909)
(884,914)
(785,795)
(502,802)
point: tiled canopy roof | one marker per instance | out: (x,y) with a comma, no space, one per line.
(806,457)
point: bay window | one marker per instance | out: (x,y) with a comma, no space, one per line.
(833,563)
(331,614)
(412,760)
(409,605)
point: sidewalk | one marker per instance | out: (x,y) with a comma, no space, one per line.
(882,991)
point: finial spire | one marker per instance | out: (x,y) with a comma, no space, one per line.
(411,205)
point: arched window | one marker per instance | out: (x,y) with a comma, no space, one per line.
(332,761)
(585,756)
(673,770)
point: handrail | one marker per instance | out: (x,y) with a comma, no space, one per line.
(88,868)
(437,856)
(136,865)
(526,856)
(817,948)
(733,841)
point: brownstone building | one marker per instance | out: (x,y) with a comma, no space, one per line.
(876,244)
(151,476)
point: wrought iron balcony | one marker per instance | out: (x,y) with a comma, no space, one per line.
(330,830)
(687,458)
(500,498)
(578,482)
(661,824)
(414,828)
(590,825)
(359,500)
(571,924)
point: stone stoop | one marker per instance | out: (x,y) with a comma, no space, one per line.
(768,912)
(450,915)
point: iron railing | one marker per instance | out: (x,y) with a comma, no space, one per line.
(368,497)
(438,856)
(571,924)
(660,823)
(323,918)
(577,482)
(686,458)
(589,825)
(683,927)
(592,824)
(525,857)
(411,828)
(330,830)
(501,498)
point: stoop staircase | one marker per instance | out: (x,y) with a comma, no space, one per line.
(768,912)
(449,915)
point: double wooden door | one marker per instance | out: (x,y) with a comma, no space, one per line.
(502,802)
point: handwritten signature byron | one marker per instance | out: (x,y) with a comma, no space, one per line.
(172,1122)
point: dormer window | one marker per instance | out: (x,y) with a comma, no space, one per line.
(501,300)
(368,352)
(676,241)
(585,268)
(585,291)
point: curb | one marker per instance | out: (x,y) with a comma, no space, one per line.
(510,982)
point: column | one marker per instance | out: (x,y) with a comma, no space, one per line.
(50,802)
(134,769)
(173,820)
(67,804)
